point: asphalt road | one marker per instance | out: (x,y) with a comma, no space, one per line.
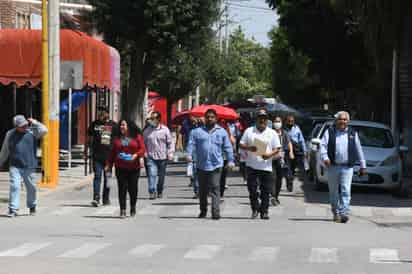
(70,236)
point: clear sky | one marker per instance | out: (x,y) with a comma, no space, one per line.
(254,16)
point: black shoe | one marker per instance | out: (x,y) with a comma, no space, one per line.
(275,202)
(160,195)
(132,212)
(254,214)
(337,218)
(344,218)
(95,203)
(196,196)
(33,211)
(122,213)
(289,186)
(264,216)
(202,215)
(216,217)
(152,196)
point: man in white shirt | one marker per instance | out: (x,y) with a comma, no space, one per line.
(262,145)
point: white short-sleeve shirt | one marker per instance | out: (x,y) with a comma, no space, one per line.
(270,137)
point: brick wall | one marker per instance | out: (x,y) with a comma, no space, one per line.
(10,11)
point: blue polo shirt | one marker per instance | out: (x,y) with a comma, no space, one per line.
(209,147)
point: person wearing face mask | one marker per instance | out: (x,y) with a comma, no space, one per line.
(299,149)
(340,150)
(210,143)
(281,166)
(259,163)
(19,146)
(159,149)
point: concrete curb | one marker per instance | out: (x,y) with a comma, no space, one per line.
(79,183)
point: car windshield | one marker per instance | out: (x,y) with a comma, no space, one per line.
(374,137)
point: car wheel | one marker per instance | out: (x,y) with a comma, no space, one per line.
(402,190)
(318,185)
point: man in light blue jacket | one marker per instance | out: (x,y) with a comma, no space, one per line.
(19,147)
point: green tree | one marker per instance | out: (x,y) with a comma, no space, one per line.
(147,31)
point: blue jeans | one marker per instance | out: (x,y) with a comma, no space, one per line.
(98,171)
(340,181)
(156,176)
(16,175)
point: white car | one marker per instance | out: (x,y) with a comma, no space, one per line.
(383,158)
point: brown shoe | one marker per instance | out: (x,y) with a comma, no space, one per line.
(337,218)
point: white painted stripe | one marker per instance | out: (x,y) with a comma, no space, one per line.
(276,211)
(107,210)
(267,254)
(146,250)
(316,212)
(24,250)
(402,212)
(151,210)
(234,210)
(383,256)
(203,252)
(85,250)
(362,211)
(323,255)
(189,211)
(65,210)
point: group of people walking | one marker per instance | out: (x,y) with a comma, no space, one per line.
(267,156)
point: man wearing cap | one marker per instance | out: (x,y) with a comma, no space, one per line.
(101,134)
(19,147)
(262,145)
(340,150)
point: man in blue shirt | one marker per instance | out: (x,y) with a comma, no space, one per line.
(340,150)
(299,149)
(209,143)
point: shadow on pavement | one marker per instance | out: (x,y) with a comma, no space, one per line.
(175,204)
(77,205)
(103,217)
(195,217)
(361,196)
(311,220)
(181,197)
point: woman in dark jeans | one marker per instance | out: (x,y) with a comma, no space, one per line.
(281,166)
(125,155)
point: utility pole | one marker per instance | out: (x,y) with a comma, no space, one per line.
(51,91)
(394,103)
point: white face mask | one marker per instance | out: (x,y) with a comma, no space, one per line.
(277,125)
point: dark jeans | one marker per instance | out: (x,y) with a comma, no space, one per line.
(265,178)
(209,181)
(223,179)
(298,162)
(127,181)
(279,173)
(243,170)
(98,168)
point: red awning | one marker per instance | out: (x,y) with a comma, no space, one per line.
(20,55)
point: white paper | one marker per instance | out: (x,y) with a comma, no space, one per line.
(261,146)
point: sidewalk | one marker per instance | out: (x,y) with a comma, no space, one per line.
(69,178)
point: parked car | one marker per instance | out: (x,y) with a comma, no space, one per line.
(383,158)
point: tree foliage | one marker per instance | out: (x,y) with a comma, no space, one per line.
(147,33)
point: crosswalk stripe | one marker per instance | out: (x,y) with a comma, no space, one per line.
(402,212)
(24,250)
(189,210)
(362,211)
(316,212)
(276,211)
(107,210)
(233,210)
(65,210)
(203,252)
(267,254)
(84,251)
(323,255)
(146,250)
(151,210)
(384,256)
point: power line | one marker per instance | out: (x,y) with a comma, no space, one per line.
(249,7)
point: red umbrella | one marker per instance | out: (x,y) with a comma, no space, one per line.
(180,116)
(222,112)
